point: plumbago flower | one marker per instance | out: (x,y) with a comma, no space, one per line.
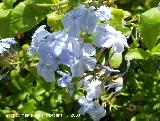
(60,40)
(85,19)
(46,71)
(65,81)
(93,88)
(103,13)
(94,109)
(64,47)
(72,21)
(97,112)
(37,37)
(48,62)
(89,20)
(117,84)
(49,48)
(107,36)
(81,54)
(5,44)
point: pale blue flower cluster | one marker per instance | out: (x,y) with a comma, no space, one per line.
(85,19)
(64,47)
(5,44)
(58,48)
(88,105)
(49,47)
(117,83)
(94,109)
(93,88)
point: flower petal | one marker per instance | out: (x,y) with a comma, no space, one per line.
(88,49)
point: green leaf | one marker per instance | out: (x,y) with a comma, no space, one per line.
(156,49)
(137,53)
(39,91)
(115,60)
(4,22)
(29,107)
(22,96)
(141,117)
(9,3)
(42,1)
(54,16)
(4,13)
(119,14)
(117,20)
(135,42)
(25,47)
(17,80)
(53,19)
(158,37)
(150,27)
(56,99)
(43,116)
(24,17)
(21,19)
(120,27)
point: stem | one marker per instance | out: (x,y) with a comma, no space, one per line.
(128,65)
(99,54)
(57,4)
(44,5)
(106,63)
(3,69)
(16,63)
(113,77)
(50,5)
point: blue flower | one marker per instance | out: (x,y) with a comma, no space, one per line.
(103,13)
(47,72)
(117,84)
(5,44)
(81,18)
(60,40)
(94,109)
(72,21)
(107,37)
(93,89)
(49,48)
(39,35)
(85,105)
(89,20)
(97,111)
(65,80)
(47,55)
(81,57)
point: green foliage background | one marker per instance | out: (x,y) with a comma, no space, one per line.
(23,91)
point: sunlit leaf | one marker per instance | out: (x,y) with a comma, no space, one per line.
(150,27)
(137,53)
